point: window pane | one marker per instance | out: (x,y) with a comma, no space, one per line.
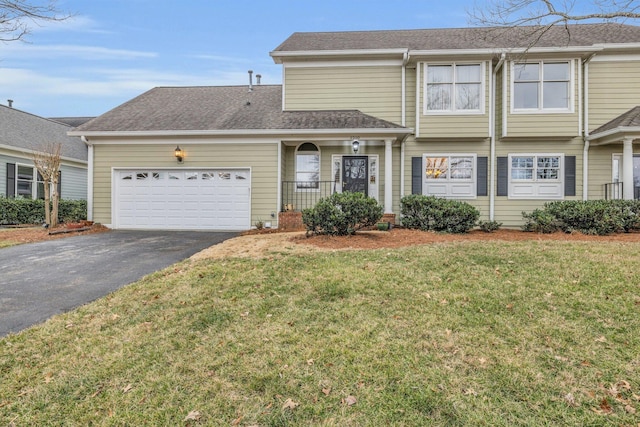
(307,180)
(556,71)
(525,95)
(308,163)
(25,172)
(556,95)
(522,168)
(468,73)
(439,97)
(439,74)
(526,72)
(461,167)
(468,96)
(436,167)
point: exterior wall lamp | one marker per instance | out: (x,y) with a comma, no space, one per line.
(179,154)
(356,146)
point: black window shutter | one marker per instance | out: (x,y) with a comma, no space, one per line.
(11,179)
(482,165)
(416,175)
(59,185)
(570,176)
(503,176)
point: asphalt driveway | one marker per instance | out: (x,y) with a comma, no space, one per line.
(39,280)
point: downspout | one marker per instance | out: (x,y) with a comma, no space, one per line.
(405,60)
(585,152)
(89,178)
(492,130)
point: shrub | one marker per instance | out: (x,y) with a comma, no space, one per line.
(489,226)
(598,217)
(28,211)
(431,213)
(342,214)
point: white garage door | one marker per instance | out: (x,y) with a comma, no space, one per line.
(207,199)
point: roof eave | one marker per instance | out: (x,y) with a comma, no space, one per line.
(615,134)
(243,132)
(279,56)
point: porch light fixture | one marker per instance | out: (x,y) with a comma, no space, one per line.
(356,145)
(179,154)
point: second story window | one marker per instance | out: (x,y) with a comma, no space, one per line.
(542,86)
(453,88)
(307,167)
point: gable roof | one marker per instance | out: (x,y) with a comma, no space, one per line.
(223,108)
(576,35)
(71,121)
(629,119)
(29,132)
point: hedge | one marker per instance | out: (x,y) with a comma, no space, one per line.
(342,214)
(431,213)
(29,211)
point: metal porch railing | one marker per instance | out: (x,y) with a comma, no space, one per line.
(299,195)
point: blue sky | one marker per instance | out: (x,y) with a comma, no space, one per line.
(114,50)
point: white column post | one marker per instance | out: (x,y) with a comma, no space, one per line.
(627,169)
(388,177)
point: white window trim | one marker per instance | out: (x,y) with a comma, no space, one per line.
(34,180)
(449,183)
(295,169)
(534,183)
(540,109)
(454,111)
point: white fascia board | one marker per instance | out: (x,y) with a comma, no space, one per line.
(279,56)
(31,152)
(622,130)
(245,132)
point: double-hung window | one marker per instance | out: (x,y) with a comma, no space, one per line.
(29,183)
(453,88)
(536,176)
(307,167)
(450,175)
(542,86)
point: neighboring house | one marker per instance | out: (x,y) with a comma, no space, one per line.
(22,134)
(476,114)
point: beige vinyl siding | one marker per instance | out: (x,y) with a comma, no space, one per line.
(600,168)
(410,98)
(509,211)
(500,101)
(560,124)
(374,90)
(418,149)
(454,125)
(261,158)
(614,88)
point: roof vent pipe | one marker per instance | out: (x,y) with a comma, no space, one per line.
(250,80)
(10,102)
(258,77)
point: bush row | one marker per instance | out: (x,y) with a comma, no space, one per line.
(431,213)
(596,217)
(28,211)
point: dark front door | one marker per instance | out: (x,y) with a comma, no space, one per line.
(355,174)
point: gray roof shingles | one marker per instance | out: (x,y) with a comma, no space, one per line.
(462,38)
(27,131)
(223,108)
(630,119)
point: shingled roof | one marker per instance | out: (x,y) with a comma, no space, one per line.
(30,132)
(630,119)
(462,38)
(222,108)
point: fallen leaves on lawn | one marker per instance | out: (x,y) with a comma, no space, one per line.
(349,400)
(290,404)
(193,416)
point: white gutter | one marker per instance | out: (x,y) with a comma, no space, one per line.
(492,124)
(89,179)
(278,56)
(585,150)
(32,152)
(242,132)
(405,60)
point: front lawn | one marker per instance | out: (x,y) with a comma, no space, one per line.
(467,333)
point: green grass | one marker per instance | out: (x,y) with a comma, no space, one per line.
(500,334)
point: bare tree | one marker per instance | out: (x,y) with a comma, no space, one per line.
(534,18)
(47,162)
(18,16)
